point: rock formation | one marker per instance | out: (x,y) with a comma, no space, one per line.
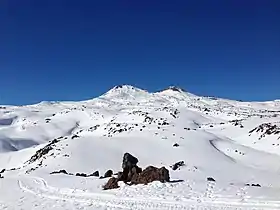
(132,174)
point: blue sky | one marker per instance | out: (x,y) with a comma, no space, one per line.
(74,50)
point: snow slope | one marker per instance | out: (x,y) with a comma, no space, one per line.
(236,143)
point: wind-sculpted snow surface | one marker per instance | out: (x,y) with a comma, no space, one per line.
(229,152)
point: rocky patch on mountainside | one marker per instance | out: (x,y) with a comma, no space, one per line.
(47,120)
(114,128)
(1,173)
(237,123)
(93,128)
(119,128)
(139,113)
(266,129)
(134,175)
(174,112)
(149,120)
(253,185)
(43,151)
(177,165)
(175,89)
(49,150)
(75,136)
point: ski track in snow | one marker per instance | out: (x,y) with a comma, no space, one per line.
(39,187)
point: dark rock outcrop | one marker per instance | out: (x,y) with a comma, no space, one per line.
(151,174)
(177,165)
(253,185)
(74,136)
(129,166)
(210,179)
(132,174)
(266,129)
(127,175)
(60,172)
(40,153)
(81,174)
(43,151)
(107,174)
(120,176)
(96,173)
(176,145)
(111,184)
(129,161)
(1,172)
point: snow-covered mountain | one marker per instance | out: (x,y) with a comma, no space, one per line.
(236,143)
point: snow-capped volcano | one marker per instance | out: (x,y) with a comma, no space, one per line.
(124,93)
(125,89)
(236,144)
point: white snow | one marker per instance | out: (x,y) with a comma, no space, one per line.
(214,141)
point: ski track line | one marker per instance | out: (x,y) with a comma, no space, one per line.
(42,189)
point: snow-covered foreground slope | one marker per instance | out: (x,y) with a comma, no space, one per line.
(235,143)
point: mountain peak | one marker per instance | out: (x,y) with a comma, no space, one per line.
(125,88)
(125,92)
(175,89)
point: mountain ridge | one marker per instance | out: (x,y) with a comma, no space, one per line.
(127,87)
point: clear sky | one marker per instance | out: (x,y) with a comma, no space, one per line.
(74,50)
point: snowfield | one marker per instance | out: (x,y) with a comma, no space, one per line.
(235,143)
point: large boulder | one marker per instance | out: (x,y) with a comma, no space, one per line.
(128,174)
(107,174)
(129,166)
(129,161)
(151,174)
(111,184)
(96,173)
